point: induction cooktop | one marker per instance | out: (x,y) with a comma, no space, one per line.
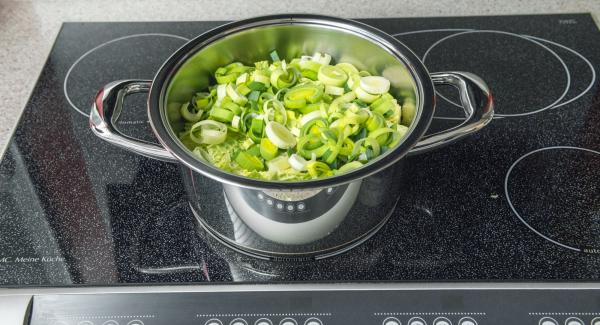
(518,202)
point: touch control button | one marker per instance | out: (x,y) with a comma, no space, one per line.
(417,321)
(136,322)
(595,321)
(213,321)
(548,321)
(573,321)
(263,321)
(391,321)
(442,321)
(313,321)
(467,321)
(288,321)
(238,321)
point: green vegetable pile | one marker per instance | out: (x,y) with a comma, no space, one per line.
(296,120)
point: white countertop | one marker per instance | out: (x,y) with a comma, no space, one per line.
(28,28)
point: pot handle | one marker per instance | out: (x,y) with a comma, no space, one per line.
(106,110)
(476,100)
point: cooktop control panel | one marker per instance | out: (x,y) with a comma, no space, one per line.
(332,307)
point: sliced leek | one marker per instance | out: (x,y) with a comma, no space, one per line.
(229,73)
(375,85)
(364,95)
(267,149)
(333,90)
(297,119)
(235,96)
(249,161)
(298,96)
(349,166)
(318,169)
(348,68)
(332,76)
(280,135)
(190,116)
(310,116)
(278,164)
(208,132)
(297,162)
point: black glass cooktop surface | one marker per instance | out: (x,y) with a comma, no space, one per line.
(520,200)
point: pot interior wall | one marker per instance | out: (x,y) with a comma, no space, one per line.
(290,41)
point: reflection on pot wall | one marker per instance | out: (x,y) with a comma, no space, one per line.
(291,217)
(294,224)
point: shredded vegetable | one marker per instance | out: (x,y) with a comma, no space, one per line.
(294,120)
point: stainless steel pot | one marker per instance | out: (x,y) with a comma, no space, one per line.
(302,218)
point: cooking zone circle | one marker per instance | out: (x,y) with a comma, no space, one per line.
(555,192)
(82,82)
(506,71)
(537,42)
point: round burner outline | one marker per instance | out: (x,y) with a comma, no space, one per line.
(514,210)
(583,58)
(68,74)
(497,115)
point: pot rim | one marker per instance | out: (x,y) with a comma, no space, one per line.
(425,96)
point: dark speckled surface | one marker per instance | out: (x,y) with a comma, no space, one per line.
(75,210)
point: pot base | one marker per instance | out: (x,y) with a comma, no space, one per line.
(284,222)
(280,256)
